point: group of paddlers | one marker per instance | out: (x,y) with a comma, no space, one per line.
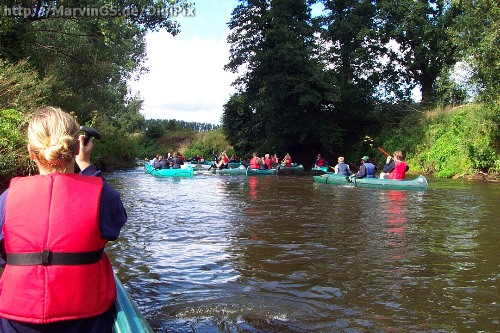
(395,167)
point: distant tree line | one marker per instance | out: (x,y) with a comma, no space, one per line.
(156,128)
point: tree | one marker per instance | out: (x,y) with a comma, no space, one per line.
(477,33)
(90,56)
(279,102)
(421,30)
(353,49)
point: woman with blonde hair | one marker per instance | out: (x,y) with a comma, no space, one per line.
(342,168)
(395,169)
(54,228)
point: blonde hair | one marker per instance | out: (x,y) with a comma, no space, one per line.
(398,154)
(53,138)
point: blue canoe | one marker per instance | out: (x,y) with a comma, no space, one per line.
(294,168)
(261,172)
(320,169)
(419,183)
(232,171)
(185,171)
(128,318)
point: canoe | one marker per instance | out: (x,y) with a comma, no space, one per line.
(419,183)
(128,318)
(320,169)
(198,167)
(207,164)
(234,171)
(185,171)
(233,165)
(261,172)
(294,168)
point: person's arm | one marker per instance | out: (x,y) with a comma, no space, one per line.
(3,198)
(82,159)
(112,214)
(388,167)
(362,172)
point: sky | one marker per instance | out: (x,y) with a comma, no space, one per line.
(186,79)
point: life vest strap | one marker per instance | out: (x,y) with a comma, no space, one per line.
(47,258)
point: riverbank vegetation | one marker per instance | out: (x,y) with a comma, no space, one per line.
(307,83)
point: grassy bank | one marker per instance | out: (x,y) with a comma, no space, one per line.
(460,142)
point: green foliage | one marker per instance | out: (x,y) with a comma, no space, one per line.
(422,30)
(205,143)
(446,143)
(14,158)
(477,33)
(115,150)
(284,85)
(21,88)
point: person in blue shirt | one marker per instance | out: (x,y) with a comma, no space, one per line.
(366,169)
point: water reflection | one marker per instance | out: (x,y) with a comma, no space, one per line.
(283,254)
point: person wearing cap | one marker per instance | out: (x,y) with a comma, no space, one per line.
(366,169)
(341,168)
(395,169)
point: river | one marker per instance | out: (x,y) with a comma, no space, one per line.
(285,254)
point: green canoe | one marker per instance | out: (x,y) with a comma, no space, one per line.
(294,168)
(128,318)
(261,172)
(233,165)
(232,171)
(185,171)
(320,169)
(419,183)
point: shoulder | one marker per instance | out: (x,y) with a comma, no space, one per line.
(110,196)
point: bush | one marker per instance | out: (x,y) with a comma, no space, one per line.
(205,143)
(21,88)
(115,150)
(446,143)
(14,158)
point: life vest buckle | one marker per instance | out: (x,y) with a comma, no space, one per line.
(46,257)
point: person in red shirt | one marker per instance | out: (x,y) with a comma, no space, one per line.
(395,169)
(268,162)
(255,161)
(320,162)
(223,161)
(287,161)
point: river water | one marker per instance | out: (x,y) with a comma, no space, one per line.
(285,254)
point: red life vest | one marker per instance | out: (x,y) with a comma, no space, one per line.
(399,170)
(268,163)
(60,213)
(321,162)
(254,164)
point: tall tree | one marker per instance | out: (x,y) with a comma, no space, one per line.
(421,30)
(477,33)
(281,89)
(353,49)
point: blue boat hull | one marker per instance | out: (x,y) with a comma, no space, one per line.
(128,318)
(419,183)
(184,172)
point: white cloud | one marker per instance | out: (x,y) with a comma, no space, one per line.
(186,79)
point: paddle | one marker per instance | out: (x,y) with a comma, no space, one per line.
(372,144)
(89,132)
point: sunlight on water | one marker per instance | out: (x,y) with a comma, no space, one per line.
(285,254)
